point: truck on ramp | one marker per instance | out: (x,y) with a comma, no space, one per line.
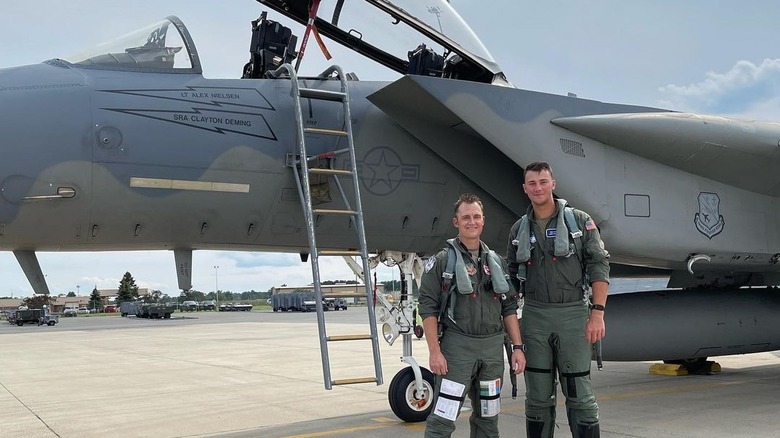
(34,316)
(147,310)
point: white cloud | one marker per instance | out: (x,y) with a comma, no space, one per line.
(746,90)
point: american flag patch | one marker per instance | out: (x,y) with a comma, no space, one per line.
(590,225)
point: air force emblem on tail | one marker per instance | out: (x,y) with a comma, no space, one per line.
(708,220)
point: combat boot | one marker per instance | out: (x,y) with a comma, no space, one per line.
(588,431)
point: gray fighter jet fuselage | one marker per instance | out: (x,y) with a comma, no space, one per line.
(129,151)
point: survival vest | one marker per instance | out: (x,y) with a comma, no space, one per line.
(522,254)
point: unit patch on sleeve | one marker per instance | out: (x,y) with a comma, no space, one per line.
(429,263)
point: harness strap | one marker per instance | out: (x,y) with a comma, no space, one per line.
(452,397)
(576,233)
(446,283)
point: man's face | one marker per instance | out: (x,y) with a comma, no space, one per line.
(469,221)
(539,186)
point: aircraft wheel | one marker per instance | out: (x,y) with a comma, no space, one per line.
(404,399)
(50,323)
(418,331)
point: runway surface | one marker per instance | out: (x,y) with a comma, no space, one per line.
(259,374)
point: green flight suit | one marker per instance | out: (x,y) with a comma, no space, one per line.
(472,338)
(554,318)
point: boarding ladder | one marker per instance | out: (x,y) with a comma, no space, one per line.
(300,165)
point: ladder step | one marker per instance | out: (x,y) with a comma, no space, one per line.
(355,380)
(313,93)
(349,337)
(339,252)
(329,171)
(328,211)
(325,131)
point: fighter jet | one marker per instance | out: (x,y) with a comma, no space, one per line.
(147,153)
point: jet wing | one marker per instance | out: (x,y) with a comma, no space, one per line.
(745,154)
(410,104)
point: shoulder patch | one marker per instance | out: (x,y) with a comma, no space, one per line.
(590,225)
(429,264)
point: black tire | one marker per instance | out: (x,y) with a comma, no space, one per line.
(418,331)
(402,395)
(50,323)
(20,323)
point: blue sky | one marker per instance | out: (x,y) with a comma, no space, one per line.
(718,57)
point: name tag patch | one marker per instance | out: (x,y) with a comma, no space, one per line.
(550,232)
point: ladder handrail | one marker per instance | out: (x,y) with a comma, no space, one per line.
(356,216)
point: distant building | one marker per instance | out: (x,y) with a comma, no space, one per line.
(60,302)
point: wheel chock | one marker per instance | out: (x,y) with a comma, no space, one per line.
(668,369)
(673,369)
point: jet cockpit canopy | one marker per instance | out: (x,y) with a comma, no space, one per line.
(400,34)
(162,47)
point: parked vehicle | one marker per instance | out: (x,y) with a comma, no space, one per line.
(285,302)
(155,310)
(303,302)
(336,303)
(189,306)
(147,310)
(34,316)
(128,308)
(235,307)
(207,305)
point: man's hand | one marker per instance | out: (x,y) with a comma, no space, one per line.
(437,363)
(518,361)
(595,328)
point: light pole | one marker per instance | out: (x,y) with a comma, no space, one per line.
(216,284)
(78,290)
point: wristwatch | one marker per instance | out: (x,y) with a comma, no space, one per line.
(597,307)
(520,347)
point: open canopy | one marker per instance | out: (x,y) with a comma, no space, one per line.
(386,31)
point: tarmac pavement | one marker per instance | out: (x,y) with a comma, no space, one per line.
(259,374)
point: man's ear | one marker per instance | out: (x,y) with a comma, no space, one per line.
(455,222)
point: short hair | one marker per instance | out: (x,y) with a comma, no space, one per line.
(467,198)
(538,166)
